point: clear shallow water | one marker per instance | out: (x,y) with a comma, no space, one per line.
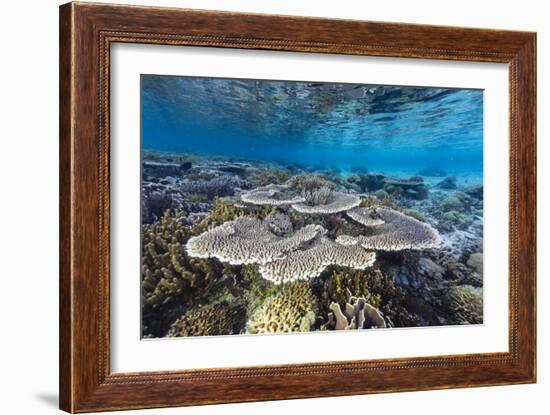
(320,126)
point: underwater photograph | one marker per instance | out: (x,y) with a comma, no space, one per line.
(278,206)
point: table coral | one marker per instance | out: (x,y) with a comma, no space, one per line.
(273,194)
(398,232)
(248,240)
(309,263)
(333,203)
(290,310)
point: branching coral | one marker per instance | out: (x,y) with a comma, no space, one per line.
(166,270)
(309,263)
(290,310)
(209,320)
(248,240)
(398,232)
(466,304)
(273,194)
(335,202)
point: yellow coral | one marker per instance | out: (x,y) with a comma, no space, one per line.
(290,310)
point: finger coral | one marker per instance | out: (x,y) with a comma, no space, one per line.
(398,232)
(466,304)
(309,263)
(248,240)
(358,314)
(209,320)
(290,310)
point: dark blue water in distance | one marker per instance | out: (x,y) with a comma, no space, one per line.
(319,126)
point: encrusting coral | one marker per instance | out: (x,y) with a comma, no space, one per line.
(398,232)
(290,310)
(309,263)
(166,270)
(208,320)
(466,304)
(246,240)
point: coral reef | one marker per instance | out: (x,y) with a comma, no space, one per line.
(309,263)
(292,309)
(368,182)
(448,183)
(166,270)
(412,188)
(246,240)
(304,183)
(218,186)
(475,261)
(475,191)
(398,232)
(466,304)
(209,320)
(223,238)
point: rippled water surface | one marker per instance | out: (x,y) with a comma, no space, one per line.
(342,127)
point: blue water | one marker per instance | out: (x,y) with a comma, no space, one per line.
(344,127)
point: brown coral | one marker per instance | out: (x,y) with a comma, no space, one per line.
(466,304)
(209,320)
(166,269)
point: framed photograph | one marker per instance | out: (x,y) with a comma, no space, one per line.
(260,207)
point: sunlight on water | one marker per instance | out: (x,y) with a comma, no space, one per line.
(341,127)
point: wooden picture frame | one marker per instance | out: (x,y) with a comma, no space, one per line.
(86,33)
